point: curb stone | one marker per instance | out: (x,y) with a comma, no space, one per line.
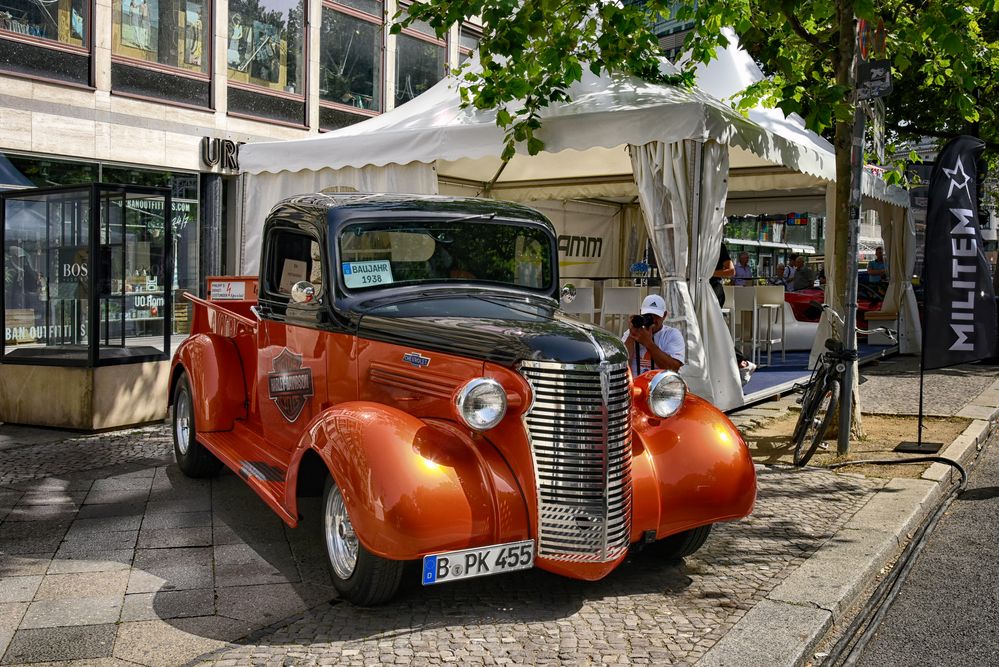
(787,625)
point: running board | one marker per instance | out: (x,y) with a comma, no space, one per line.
(260,472)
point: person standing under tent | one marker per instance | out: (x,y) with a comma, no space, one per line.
(743,272)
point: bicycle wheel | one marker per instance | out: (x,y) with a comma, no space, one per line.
(807,398)
(819,419)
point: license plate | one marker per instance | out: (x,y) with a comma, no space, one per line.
(455,565)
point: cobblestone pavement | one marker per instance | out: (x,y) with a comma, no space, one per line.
(106,551)
(646,612)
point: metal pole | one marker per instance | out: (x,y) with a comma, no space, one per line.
(850,326)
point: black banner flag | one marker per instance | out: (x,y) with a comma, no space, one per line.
(960,320)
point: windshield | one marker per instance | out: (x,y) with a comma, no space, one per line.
(374,255)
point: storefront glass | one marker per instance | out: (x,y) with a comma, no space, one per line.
(17,172)
(133,287)
(419,64)
(63,21)
(350,60)
(82,262)
(266,45)
(43,308)
(185,208)
(165,32)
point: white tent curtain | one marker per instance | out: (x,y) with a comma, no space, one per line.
(898,232)
(706,238)
(261,191)
(666,175)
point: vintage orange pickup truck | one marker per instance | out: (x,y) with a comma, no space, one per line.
(406,358)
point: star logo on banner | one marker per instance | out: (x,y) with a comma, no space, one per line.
(963,184)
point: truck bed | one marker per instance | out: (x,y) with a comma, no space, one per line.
(224,318)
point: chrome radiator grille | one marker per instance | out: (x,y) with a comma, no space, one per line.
(580,431)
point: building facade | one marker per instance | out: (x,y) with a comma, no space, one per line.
(163,92)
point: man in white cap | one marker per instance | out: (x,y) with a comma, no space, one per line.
(658,346)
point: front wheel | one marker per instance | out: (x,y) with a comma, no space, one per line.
(192,457)
(682,544)
(817,420)
(358,575)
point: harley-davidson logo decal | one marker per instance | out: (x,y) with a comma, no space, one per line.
(416,359)
(289,385)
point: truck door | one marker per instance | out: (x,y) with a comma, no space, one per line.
(291,363)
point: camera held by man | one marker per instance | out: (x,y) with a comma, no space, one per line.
(651,344)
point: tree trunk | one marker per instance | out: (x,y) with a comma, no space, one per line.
(843,142)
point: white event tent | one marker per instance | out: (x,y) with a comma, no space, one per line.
(680,152)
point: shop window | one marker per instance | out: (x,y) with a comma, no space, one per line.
(61,21)
(419,64)
(49,40)
(184,218)
(373,7)
(350,59)
(18,171)
(265,46)
(86,275)
(174,33)
(468,41)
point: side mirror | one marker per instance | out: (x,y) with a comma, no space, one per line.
(303,291)
(568,293)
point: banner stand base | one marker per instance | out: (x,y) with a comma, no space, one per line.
(909,447)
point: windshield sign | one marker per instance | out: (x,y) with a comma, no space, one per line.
(374,255)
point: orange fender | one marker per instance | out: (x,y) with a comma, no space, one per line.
(215,372)
(414,487)
(689,470)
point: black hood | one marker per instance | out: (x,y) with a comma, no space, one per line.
(495,329)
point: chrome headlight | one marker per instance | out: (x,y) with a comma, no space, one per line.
(667,391)
(481,403)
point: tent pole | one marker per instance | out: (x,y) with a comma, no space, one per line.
(489,186)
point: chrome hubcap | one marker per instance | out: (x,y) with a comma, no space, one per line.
(341,542)
(182,422)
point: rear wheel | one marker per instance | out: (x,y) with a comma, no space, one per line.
(358,575)
(192,457)
(682,544)
(818,419)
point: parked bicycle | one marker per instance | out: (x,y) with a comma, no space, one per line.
(821,394)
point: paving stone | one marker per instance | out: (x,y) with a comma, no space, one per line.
(19,589)
(20,565)
(112,510)
(96,561)
(161,644)
(177,520)
(66,643)
(10,617)
(170,604)
(30,544)
(82,585)
(98,543)
(33,513)
(72,611)
(87,528)
(282,600)
(170,578)
(52,497)
(175,537)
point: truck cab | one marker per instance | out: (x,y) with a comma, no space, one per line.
(407,358)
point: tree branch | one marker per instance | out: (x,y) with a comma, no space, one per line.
(800,31)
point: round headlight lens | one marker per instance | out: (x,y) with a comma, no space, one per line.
(667,391)
(481,403)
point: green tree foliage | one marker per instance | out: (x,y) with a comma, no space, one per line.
(944,56)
